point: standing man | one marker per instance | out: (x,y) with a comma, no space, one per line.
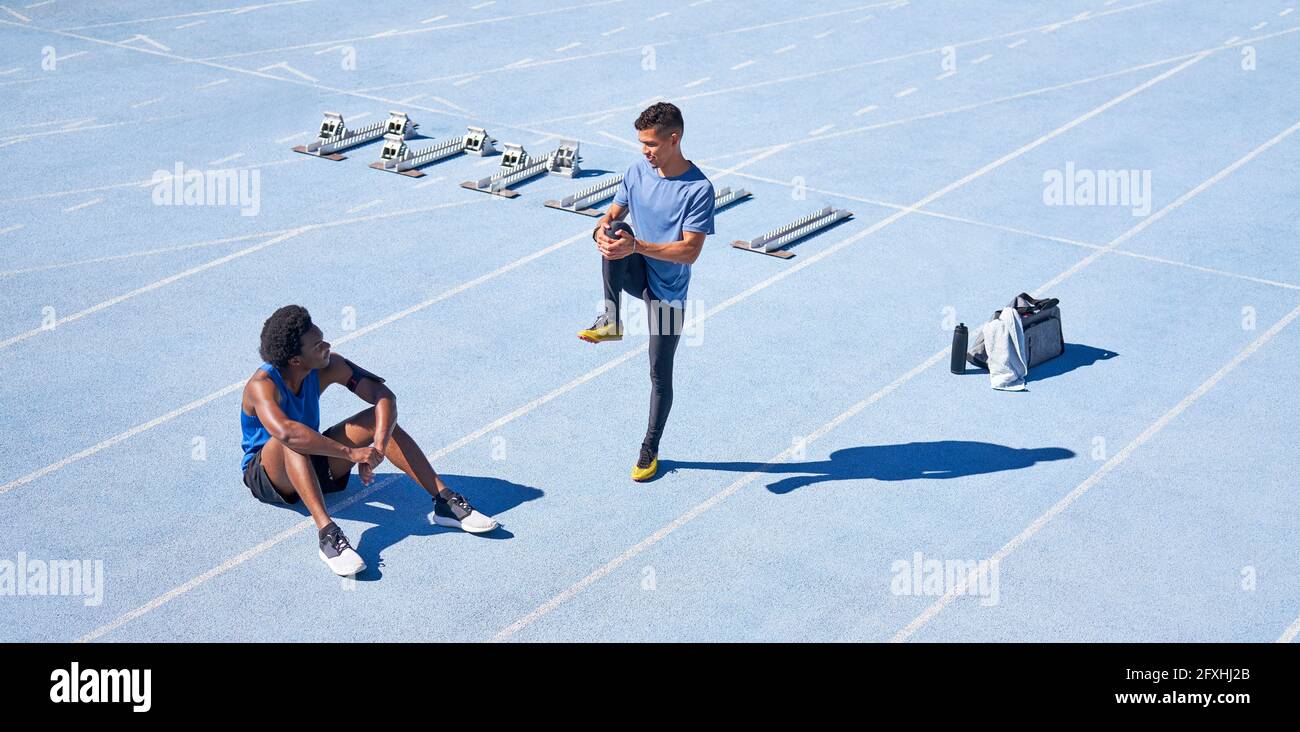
(671,205)
(288,459)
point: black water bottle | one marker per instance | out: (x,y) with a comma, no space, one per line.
(959,349)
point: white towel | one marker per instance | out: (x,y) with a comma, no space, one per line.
(1005,340)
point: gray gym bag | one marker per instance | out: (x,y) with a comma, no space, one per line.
(1041,320)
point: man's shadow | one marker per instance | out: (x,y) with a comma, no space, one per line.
(410,509)
(932,460)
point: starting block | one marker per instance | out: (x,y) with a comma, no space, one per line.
(564,161)
(726,197)
(516,166)
(772,242)
(584,201)
(335,136)
(396,157)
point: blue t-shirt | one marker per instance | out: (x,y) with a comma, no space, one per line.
(301,407)
(661,209)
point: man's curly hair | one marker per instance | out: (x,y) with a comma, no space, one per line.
(663,117)
(282,334)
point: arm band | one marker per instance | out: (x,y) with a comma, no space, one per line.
(358,374)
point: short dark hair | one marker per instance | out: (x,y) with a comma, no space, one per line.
(282,334)
(663,116)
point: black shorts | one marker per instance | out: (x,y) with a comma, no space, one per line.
(259,483)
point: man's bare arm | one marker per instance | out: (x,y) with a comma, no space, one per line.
(370,390)
(685,251)
(295,435)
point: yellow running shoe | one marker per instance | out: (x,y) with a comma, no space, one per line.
(646,466)
(601,331)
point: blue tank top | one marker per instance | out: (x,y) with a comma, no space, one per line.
(302,407)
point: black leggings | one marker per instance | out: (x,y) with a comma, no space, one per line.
(665,323)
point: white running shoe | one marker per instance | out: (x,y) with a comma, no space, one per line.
(455,512)
(337,552)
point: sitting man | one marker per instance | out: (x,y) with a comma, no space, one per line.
(287,458)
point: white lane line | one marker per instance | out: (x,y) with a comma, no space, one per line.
(567,47)
(413,31)
(1232,40)
(78,207)
(1018,44)
(699,2)
(133,255)
(294,136)
(616,138)
(364,206)
(573,590)
(784,49)
(820,130)
(1290,633)
(1285,13)
(864,110)
(286,67)
(145,39)
(518,63)
(137,292)
(697,82)
(14,70)
(1151,431)
(945,75)
(1033,528)
(211,84)
(664,14)
(189,273)
(1001,100)
(431,181)
(1258,26)
(863,19)
(227,159)
(142,183)
(183,26)
(823,34)
(1012,230)
(147,102)
(619,29)
(905,92)
(365,492)
(598,120)
(15,13)
(464,81)
(76,124)
(37,5)
(327,50)
(434,19)
(862,64)
(482,5)
(11,229)
(232,11)
(700,508)
(71,56)
(982,59)
(742,65)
